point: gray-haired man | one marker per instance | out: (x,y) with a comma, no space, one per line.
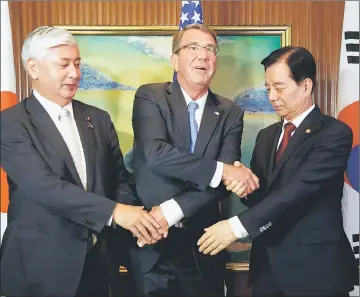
(65,173)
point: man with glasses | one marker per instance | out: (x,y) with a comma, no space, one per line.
(185,137)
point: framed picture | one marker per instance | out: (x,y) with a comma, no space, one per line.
(117,60)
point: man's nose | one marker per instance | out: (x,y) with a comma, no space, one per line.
(74,71)
(203,53)
(273,95)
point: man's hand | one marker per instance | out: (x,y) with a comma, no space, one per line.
(138,221)
(239,179)
(239,188)
(216,238)
(157,213)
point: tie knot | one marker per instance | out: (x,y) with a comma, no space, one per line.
(192,106)
(64,113)
(289,128)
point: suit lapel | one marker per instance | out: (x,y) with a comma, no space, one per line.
(86,133)
(39,117)
(209,121)
(309,126)
(273,139)
(178,106)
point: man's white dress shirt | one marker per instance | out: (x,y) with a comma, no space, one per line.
(171,209)
(69,132)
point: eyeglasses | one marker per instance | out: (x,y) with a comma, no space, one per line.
(195,48)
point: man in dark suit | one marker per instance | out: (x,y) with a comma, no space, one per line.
(295,220)
(180,130)
(66,178)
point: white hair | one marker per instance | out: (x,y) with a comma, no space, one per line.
(39,41)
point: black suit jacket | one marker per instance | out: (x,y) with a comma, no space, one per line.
(295,218)
(50,215)
(163,168)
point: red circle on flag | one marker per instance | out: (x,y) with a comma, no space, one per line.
(8,99)
(350,116)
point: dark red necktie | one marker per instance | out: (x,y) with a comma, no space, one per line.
(288,129)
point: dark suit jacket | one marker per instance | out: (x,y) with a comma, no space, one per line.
(163,168)
(295,218)
(50,214)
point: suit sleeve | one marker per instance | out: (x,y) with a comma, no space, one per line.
(124,189)
(256,196)
(190,201)
(325,163)
(29,171)
(162,157)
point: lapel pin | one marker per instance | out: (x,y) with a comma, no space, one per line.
(88,123)
(307,131)
(216,113)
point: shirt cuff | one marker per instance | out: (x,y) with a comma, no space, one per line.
(215,182)
(109,221)
(237,227)
(172,212)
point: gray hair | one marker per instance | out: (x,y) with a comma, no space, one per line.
(39,41)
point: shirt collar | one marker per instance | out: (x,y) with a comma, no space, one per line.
(298,120)
(201,101)
(51,107)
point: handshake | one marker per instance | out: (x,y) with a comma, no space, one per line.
(150,227)
(239,179)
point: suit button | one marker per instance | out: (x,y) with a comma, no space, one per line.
(83,220)
(93,224)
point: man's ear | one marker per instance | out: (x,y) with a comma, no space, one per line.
(33,68)
(308,84)
(174,61)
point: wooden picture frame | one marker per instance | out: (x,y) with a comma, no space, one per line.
(116,60)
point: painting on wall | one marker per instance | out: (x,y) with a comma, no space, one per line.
(117,60)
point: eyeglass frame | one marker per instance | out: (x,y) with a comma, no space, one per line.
(198,45)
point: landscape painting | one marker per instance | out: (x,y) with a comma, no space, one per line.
(116,61)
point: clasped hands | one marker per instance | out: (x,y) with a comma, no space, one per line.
(241,181)
(148,227)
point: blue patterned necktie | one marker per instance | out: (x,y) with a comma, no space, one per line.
(192,107)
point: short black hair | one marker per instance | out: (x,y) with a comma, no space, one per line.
(299,60)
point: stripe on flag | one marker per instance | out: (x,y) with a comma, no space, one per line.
(348,107)
(191,13)
(8,97)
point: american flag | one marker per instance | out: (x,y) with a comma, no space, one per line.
(191,13)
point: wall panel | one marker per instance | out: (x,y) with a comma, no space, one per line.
(316,25)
